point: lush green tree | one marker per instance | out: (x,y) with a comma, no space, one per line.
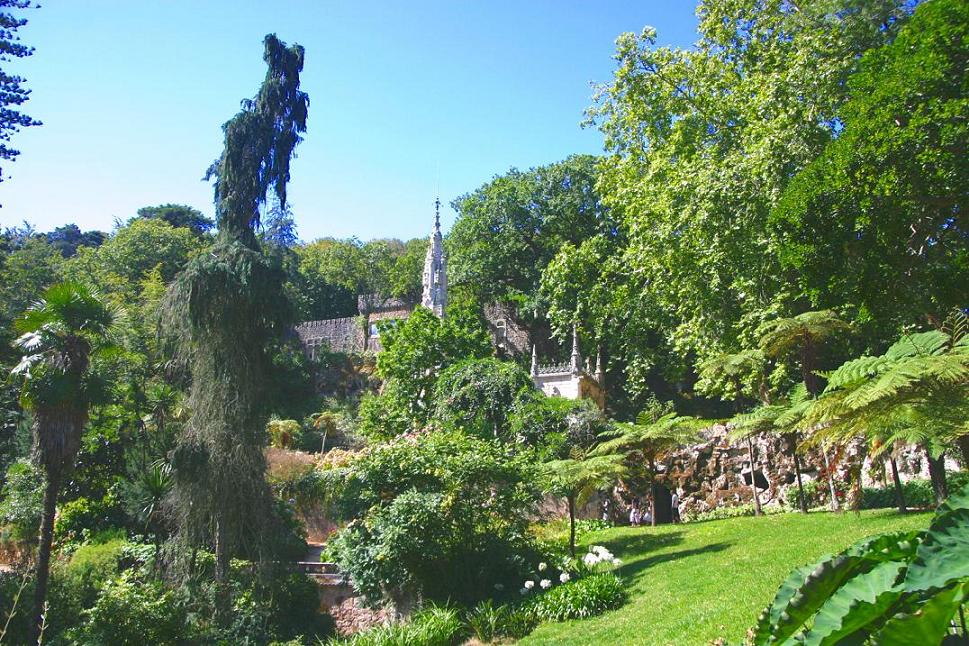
(226,310)
(178,215)
(131,253)
(441,516)
(509,229)
(406,275)
(68,238)
(416,351)
(478,396)
(60,333)
(703,141)
(644,444)
(804,333)
(315,292)
(878,219)
(14,93)
(725,375)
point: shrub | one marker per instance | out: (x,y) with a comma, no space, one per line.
(431,627)
(582,598)
(442,516)
(83,517)
(21,501)
(736,511)
(133,612)
(488,622)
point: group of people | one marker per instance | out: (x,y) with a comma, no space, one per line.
(640,514)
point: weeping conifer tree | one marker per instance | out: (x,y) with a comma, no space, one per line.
(225,310)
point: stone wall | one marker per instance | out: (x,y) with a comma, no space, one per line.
(338,335)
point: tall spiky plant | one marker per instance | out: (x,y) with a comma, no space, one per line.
(60,335)
(225,309)
(804,333)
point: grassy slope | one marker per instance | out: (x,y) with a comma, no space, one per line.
(690,584)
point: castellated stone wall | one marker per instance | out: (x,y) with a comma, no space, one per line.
(338,335)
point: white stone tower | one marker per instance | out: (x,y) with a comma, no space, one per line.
(435,269)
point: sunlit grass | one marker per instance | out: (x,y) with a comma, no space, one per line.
(690,584)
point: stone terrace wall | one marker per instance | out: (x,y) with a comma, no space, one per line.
(339,335)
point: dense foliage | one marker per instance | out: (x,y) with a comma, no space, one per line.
(439,516)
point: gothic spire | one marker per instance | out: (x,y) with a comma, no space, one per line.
(576,361)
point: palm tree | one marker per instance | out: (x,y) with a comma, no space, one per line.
(804,333)
(59,336)
(733,368)
(578,477)
(917,392)
(647,441)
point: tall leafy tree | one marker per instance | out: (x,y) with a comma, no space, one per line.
(226,308)
(916,392)
(60,334)
(703,141)
(13,94)
(509,229)
(878,220)
(178,215)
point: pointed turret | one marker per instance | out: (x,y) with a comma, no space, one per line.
(534,370)
(600,369)
(576,362)
(434,296)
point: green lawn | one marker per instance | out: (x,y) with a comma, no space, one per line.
(690,584)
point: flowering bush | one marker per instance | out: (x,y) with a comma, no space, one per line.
(583,598)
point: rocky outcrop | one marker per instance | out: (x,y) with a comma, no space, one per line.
(716,471)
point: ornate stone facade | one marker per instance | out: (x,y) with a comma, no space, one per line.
(570,380)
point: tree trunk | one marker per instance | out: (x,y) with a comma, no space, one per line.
(43,554)
(753,478)
(652,502)
(572,525)
(937,475)
(899,491)
(222,604)
(835,505)
(801,500)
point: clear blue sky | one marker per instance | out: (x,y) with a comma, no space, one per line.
(408,100)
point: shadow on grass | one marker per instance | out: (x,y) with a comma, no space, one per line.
(633,569)
(644,542)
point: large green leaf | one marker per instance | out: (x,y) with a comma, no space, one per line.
(845,615)
(808,588)
(943,557)
(926,624)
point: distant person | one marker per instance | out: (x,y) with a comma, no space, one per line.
(675,502)
(605,511)
(634,514)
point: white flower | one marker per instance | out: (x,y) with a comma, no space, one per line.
(564,577)
(590,559)
(546,584)
(529,585)
(616,562)
(542,566)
